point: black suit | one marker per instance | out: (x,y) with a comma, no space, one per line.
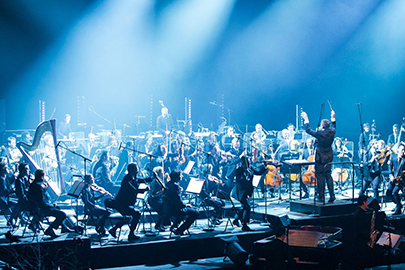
(38,200)
(396,167)
(323,155)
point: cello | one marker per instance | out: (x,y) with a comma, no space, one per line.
(272,178)
(308,177)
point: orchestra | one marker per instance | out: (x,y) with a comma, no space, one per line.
(225,159)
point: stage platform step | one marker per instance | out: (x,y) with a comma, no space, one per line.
(338,207)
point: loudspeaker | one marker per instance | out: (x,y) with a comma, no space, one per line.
(277,222)
(234,250)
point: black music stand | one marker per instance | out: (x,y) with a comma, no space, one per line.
(75,191)
(194,187)
(142,197)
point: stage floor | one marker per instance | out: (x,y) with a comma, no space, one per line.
(263,207)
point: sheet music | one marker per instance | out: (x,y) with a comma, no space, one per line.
(189,166)
(256,179)
(195,185)
(298,162)
(300,238)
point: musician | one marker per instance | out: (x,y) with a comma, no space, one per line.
(340,150)
(394,137)
(278,255)
(209,194)
(126,198)
(64,127)
(38,200)
(396,183)
(175,207)
(22,184)
(258,136)
(164,122)
(89,199)
(102,173)
(8,205)
(283,145)
(374,169)
(11,152)
(242,191)
(26,138)
(364,138)
(228,138)
(154,198)
(323,155)
(362,224)
(308,154)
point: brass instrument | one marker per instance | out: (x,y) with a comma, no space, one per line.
(373,233)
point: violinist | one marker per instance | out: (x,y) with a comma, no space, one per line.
(209,194)
(242,191)
(102,173)
(89,199)
(154,199)
(397,136)
(126,198)
(174,205)
(374,170)
(397,178)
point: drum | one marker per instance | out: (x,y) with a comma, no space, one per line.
(340,174)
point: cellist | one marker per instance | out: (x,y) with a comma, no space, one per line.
(308,154)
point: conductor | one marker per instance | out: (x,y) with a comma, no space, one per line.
(323,154)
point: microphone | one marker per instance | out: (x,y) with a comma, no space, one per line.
(119,148)
(57,144)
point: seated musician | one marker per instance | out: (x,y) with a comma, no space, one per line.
(64,127)
(308,154)
(154,199)
(6,203)
(209,194)
(125,200)
(89,199)
(340,150)
(102,173)
(11,152)
(374,170)
(397,178)
(258,136)
(278,255)
(38,200)
(22,184)
(174,206)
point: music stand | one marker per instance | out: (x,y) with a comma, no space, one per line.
(195,186)
(142,196)
(75,191)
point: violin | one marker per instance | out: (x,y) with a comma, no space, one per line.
(100,190)
(381,157)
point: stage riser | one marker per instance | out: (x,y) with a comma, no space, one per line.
(328,209)
(168,251)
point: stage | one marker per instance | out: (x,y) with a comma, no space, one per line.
(89,250)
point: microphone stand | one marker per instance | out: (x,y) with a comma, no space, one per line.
(85,159)
(363,150)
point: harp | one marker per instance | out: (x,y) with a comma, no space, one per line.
(43,127)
